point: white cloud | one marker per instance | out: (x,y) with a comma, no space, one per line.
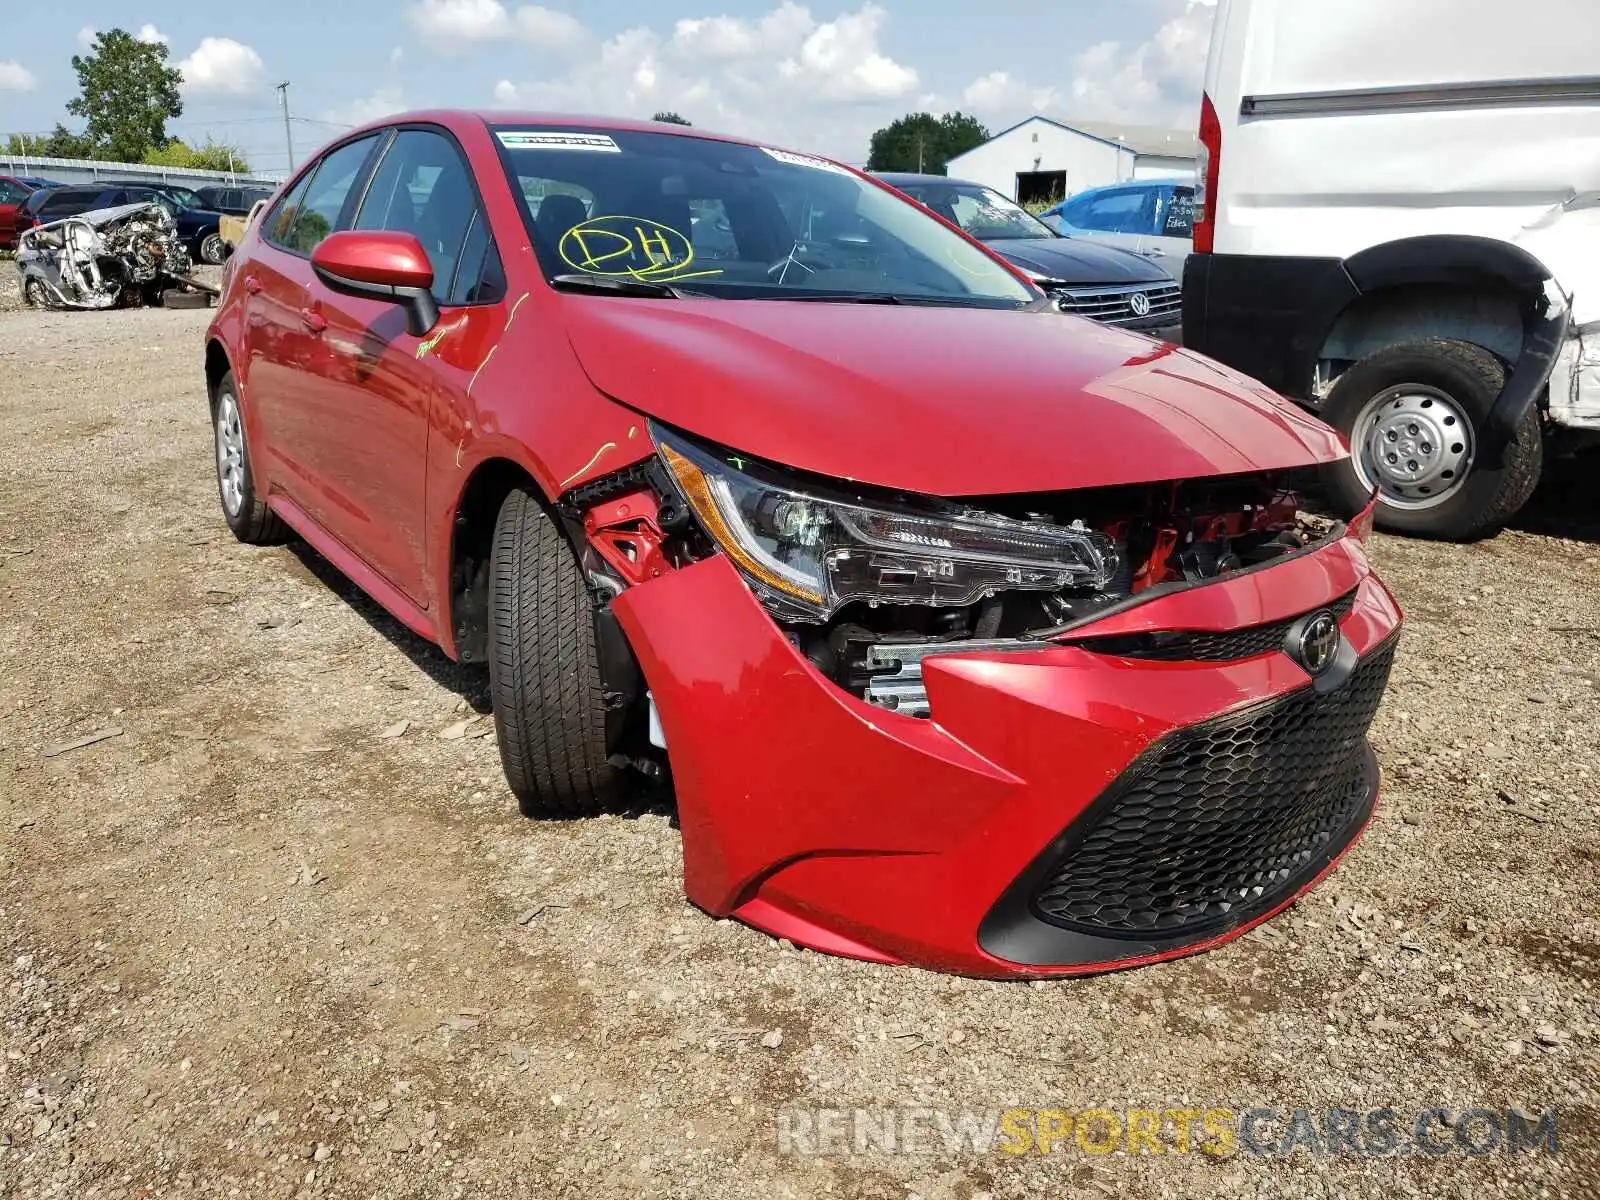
(452,22)
(396,57)
(385,101)
(1156,81)
(150,34)
(221,64)
(783,77)
(14,77)
(86,37)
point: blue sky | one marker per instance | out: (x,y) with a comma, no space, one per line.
(817,76)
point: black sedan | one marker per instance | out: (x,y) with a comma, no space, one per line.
(1088,279)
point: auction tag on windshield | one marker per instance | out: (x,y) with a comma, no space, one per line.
(805,160)
(530,139)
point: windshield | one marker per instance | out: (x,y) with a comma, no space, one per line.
(980,211)
(733,221)
(184,197)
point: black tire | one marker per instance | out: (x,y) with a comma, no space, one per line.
(180,298)
(253,522)
(35,294)
(1472,378)
(544,669)
(210,248)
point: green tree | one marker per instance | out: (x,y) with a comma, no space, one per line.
(212,156)
(670,118)
(924,142)
(126,95)
(61,142)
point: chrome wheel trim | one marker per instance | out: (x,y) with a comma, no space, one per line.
(211,249)
(1414,444)
(230,454)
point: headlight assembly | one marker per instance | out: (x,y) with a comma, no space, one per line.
(807,552)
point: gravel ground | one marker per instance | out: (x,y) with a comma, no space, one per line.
(284,935)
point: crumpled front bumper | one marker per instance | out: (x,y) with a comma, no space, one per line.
(856,830)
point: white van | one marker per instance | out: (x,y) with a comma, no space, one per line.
(1399,225)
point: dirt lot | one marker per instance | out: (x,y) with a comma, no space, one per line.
(255,947)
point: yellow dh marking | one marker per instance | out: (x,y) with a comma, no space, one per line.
(620,246)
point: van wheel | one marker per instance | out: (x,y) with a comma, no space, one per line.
(1414,414)
(246,513)
(544,669)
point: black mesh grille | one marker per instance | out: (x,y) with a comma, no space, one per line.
(1224,818)
(1192,646)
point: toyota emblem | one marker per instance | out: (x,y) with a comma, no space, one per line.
(1140,304)
(1319,643)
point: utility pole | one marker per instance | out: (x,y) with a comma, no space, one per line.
(288,138)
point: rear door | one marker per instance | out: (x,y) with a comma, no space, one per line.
(1173,238)
(286,351)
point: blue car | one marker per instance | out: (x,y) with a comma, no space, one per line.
(1152,217)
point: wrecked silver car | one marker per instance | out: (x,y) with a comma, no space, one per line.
(128,254)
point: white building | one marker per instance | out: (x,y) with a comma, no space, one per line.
(1041,158)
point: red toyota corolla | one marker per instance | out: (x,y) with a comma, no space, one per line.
(969,634)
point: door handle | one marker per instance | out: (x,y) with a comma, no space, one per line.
(252,285)
(313,320)
(1154,253)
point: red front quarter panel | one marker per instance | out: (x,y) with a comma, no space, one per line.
(860,830)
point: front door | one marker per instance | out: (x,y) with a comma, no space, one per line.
(377,390)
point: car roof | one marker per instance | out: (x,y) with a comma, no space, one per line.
(898,177)
(458,118)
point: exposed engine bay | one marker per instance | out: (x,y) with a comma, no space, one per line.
(866,585)
(105,258)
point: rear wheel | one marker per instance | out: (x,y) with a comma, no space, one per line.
(35,294)
(246,513)
(544,669)
(1415,415)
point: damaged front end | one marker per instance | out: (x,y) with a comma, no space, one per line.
(908,729)
(102,259)
(867,585)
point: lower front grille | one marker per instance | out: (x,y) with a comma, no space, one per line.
(1221,820)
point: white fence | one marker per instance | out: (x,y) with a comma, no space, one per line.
(84,170)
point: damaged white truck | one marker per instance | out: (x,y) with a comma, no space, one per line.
(1398,225)
(107,258)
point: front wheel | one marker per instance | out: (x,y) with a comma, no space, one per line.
(1414,415)
(213,249)
(544,669)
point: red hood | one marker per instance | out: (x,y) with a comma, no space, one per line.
(937,400)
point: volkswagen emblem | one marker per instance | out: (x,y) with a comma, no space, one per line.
(1140,304)
(1319,643)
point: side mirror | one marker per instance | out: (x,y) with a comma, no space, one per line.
(380,265)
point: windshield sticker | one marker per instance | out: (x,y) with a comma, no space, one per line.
(526,139)
(621,246)
(805,160)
